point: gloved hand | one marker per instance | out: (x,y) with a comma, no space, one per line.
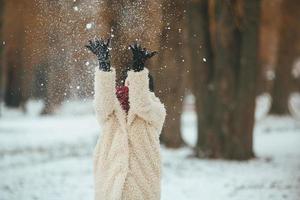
(140,55)
(101,49)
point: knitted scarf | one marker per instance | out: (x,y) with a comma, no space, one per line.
(122,95)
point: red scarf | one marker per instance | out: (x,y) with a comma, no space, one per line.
(123,97)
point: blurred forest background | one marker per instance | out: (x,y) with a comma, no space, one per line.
(224,52)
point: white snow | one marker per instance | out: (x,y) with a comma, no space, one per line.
(49,158)
(89,25)
(76,8)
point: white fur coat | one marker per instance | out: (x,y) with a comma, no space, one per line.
(127,155)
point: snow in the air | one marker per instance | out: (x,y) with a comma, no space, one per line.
(50,158)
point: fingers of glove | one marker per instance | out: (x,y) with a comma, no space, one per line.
(131,47)
(151,54)
(88,47)
(108,42)
(92,44)
(98,43)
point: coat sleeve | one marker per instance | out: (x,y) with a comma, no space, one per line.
(142,105)
(104,98)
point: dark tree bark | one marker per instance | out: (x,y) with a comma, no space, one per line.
(170,85)
(288,51)
(246,85)
(200,44)
(268,43)
(13,32)
(226,92)
(1,48)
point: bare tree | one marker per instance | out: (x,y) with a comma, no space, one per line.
(288,51)
(13,36)
(171,75)
(1,48)
(268,43)
(225,90)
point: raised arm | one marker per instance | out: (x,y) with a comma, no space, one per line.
(104,98)
(143,103)
(104,80)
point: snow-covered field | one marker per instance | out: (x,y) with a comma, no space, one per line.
(49,158)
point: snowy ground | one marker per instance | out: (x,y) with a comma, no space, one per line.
(49,158)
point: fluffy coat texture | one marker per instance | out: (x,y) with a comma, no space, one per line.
(127,163)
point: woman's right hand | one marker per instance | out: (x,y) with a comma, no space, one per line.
(140,56)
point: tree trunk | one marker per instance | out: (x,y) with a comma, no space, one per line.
(13,35)
(1,48)
(171,76)
(201,59)
(268,43)
(287,54)
(58,80)
(246,91)
(226,93)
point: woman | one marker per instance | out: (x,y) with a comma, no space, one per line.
(127,155)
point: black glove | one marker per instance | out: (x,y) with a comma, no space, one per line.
(140,55)
(101,49)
